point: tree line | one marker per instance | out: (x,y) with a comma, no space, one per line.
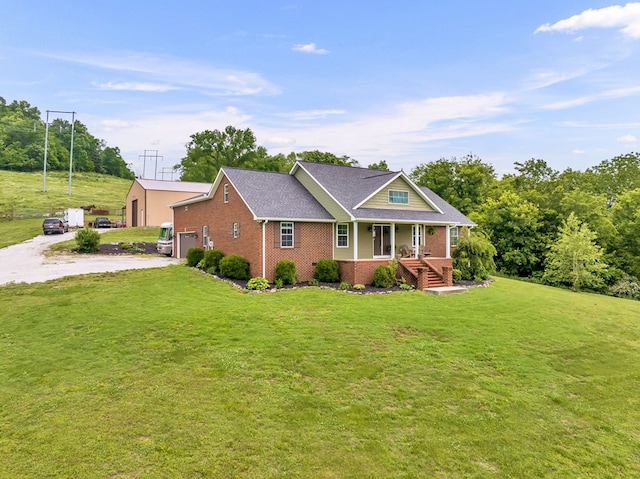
(22,138)
(575,228)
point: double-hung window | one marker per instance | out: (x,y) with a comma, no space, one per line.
(342,236)
(236,230)
(226,193)
(453,236)
(286,234)
(397,197)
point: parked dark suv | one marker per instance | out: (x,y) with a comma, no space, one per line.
(102,222)
(55,225)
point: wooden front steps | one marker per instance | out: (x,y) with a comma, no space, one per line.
(419,273)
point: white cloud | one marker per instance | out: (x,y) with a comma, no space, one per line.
(134,86)
(183,74)
(578,152)
(545,78)
(583,100)
(314,114)
(309,48)
(626,17)
(627,139)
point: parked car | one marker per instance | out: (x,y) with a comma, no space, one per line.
(102,222)
(55,225)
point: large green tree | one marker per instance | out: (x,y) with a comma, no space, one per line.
(626,217)
(574,258)
(464,183)
(208,151)
(326,157)
(512,224)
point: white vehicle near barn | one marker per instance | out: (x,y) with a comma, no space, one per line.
(165,239)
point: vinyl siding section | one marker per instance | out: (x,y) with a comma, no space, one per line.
(322,196)
(381,200)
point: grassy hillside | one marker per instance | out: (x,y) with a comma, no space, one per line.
(169,373)
(21,194)
(24,190)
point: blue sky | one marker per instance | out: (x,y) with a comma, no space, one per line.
(407,82)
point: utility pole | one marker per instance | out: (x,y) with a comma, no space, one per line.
(150,154)
(46,147)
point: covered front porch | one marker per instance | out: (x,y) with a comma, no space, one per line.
(423,251)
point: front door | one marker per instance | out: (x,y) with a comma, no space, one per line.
(134,213)
(381,240)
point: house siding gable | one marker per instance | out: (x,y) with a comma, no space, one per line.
(381,199)
(321,196)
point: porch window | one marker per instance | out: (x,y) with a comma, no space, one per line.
(286,235)
(226,193)
(397,197)
(453,236)
(416,237)
(342,233)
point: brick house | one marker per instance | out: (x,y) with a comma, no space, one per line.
(362,218)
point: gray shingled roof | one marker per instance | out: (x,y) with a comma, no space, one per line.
(348,185)
(450,213)
(278,196)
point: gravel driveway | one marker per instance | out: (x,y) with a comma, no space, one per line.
(26,263)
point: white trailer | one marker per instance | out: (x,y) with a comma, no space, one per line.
(75,217)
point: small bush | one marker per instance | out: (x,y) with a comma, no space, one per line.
(313,282)
(286,272)
(278,283)
(626,287)
(359,287)
(457,275)
(87,240)
(234,267)
(194,256)
(212,258)
(383,277)
(345,286)
(406,287)
(200,264)
(212,270)
(327,271)
(258,284)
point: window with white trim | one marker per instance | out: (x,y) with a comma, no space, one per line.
(342,235)
(286,235)
(416,236)
(398,197)
(226,193)
(453,236)
(236,230)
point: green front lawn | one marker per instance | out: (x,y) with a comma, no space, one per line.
(169,373)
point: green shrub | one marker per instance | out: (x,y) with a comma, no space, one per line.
(626,287)
(359,287)
(286,272)
(344,286)
(212,258)
(234,266)
(258,284)
(313,282)
(194,256)
(406,287)
(327,271)
(278,283)
(474,256)
(212,270)
(383,277)
(87,240)
(457,275)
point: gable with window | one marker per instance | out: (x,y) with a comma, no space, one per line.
(398,197)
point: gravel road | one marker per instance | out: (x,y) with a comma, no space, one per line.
(26,263)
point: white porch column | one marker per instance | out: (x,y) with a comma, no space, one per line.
(393,240)
(448,242)
(264,250)
(355,240)
(416,240)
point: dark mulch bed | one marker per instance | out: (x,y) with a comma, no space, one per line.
(127,248)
